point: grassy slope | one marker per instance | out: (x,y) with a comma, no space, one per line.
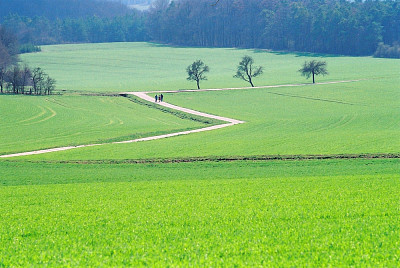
(284,213)
(144,66)
(45,122)
(245,213)
(358,117)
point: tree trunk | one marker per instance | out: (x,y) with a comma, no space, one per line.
(198,84)
(313,79)
(251,82)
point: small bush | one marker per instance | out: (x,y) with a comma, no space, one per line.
(386,51)
(28,48)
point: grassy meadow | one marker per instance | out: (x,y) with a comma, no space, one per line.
(349,118)
(97,207)
(279,213)
(117,67)
(42,122)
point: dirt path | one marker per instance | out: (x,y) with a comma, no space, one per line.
(144,96)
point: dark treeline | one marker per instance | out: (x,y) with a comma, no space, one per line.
(53,9)
(319,26)
(42,22)
(24,80)
(43,31)
(8,53)
(16,79)
(323,26)
(8,47)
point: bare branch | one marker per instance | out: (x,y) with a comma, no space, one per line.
(215,3)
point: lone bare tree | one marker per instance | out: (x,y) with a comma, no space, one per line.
(313,68)
(246,71)
(196,72)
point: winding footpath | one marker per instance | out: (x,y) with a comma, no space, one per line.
(146,97)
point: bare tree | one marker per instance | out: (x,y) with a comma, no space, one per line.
(196,72)
(246,71)
(5,61)
(10,44)
(14,79)
(37,80)
(313,68)
(41,82)
(49,85)
(26,75)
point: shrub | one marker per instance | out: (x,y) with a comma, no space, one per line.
(386,51)
(28,48)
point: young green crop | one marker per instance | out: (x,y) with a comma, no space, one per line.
(201,214)
(116,67)
(346,118)
(54,212)
(31,123)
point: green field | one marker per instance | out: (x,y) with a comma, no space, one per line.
(32,123)
(98,206)
(295,213)
(144,66)
(351,118)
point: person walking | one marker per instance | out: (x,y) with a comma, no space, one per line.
(156,98)
(161,97)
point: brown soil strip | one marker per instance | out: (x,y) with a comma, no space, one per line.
(227,159)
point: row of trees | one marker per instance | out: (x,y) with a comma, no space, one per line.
(16,79)
(62,9)
(41,30)
(246,70)
(24,80)
(318,26)
(323,26)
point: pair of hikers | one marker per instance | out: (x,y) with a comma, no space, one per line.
(159,98)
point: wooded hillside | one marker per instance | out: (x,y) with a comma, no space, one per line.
(318,26)
(323,26)
(60,9)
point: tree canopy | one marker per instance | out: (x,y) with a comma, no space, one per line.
(196,72)
(8,53)
(313,68)
(60,9)
(317,26)
(246,70)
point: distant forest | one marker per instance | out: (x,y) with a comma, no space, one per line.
(319,26)
(53,9)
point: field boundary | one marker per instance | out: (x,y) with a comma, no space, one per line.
(260,158)
(144,96)
(241,88)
